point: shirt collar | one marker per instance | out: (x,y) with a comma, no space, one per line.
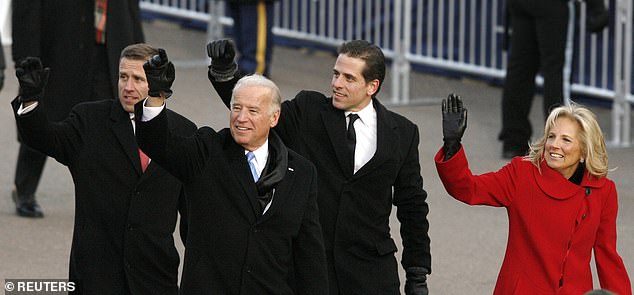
(261,153)
(366,114)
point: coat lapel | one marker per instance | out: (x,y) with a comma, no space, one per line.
(122,128)
(386,136)
(335,123)
(240,169)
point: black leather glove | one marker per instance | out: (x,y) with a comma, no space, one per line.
(597,16)
(416,280)
(160,75)
(222,53)
(32,77)
(454,123)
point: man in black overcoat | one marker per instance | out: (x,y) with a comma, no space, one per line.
(81,41)
(365,165)
(126,206)
(252,203)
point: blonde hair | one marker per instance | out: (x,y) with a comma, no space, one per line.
(590,137)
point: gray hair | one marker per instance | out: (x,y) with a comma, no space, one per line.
(259,80)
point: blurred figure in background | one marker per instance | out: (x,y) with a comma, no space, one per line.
(541,42)
(252,31)
(3,64)
(80,40)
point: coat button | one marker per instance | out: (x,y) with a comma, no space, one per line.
(583,216)
(130,227)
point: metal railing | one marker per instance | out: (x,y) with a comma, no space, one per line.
(462,36)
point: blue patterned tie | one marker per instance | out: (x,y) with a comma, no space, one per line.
(254,172)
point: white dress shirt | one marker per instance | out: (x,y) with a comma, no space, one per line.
(365,129)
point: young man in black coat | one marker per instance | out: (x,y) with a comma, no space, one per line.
(81,41)
(252,203)
(125,208)
(365,165)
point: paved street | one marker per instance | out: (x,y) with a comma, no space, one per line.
(468,243)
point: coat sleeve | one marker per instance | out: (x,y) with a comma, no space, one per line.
(491,189)
(412,208)
(60,140)
(298,111)
(610,268)
(183,127)
(3,62)
(183,224)
(290,118)
(225,88)
(182,156)
(308,248)
(26,23)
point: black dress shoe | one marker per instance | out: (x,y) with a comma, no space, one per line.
(26,206)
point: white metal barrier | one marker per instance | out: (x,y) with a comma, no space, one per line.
(462,36)
(5,22)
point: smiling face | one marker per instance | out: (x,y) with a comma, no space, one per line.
(251,116)
(133,85)
(350,91)
(563,148)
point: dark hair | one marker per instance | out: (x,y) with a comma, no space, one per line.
(139,51)
(373,57)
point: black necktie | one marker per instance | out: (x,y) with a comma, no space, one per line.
(351,137)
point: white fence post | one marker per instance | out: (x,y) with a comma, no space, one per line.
(214,25)
(622,74)
(5,22)
(398,57)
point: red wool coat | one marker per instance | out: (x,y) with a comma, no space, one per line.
(554,225)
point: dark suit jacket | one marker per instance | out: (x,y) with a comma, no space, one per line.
(231,247)
(62,34)
(124,219)
(355,209)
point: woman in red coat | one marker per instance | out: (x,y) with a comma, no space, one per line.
(560,204)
